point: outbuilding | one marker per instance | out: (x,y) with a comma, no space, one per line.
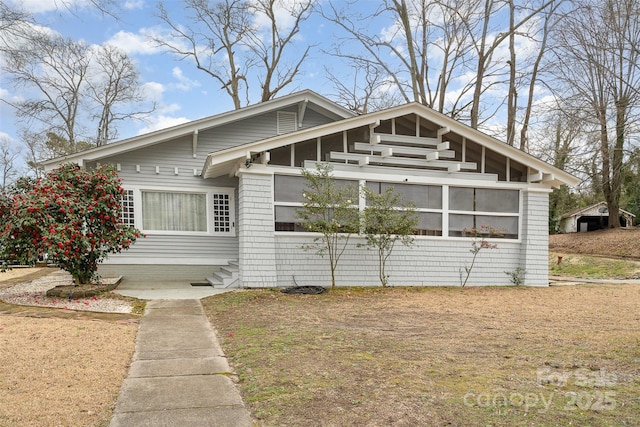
(590,218)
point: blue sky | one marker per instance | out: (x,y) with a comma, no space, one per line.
(181,91)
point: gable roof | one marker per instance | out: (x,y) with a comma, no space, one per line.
(223,162)
(577,211)
(318,102)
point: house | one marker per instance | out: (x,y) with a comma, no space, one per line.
(217,197)
(594,217)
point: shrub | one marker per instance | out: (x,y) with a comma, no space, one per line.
(71,215)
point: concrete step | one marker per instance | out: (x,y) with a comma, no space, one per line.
(226,277)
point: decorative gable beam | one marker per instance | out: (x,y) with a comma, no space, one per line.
(443,131)
(535,177)
(377,138)
(390,150)
(302,108)
(548,177)
(194,143)
(413,175)
(402,161)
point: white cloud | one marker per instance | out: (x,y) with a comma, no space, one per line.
(184,82)
(133,4)
(282,11)
(170,108)
(161,121)
(137,43)
(153,91)
(41,6)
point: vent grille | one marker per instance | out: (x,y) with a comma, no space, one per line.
(286,122)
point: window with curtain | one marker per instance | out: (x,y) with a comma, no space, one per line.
(171,211)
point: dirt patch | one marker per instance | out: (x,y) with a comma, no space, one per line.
(60,367)
(59,371)
(436,356)
(623,243)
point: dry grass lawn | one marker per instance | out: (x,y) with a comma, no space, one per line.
(436,356)
(61,368)
(623,243)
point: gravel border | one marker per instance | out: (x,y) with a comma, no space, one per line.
(33,293)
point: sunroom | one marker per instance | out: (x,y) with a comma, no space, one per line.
(458,178)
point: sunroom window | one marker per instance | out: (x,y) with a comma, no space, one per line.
(493,212)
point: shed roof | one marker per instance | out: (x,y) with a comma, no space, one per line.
(578,211)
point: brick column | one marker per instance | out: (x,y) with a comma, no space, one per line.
(534,251)
(257,257)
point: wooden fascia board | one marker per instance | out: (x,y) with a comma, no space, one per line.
(429,114)
(164,135)
(496,145)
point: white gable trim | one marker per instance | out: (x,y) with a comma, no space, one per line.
(222,162)
(305,97)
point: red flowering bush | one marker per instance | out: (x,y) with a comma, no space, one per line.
(72,215)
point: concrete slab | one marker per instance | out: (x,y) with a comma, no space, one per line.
(165,289)
(180,367)
(179,375)
(188,353)
(174,304)
(181,392)
(200,417)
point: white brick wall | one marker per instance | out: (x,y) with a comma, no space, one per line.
(255,233)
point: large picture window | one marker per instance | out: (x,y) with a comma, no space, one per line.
(164,211)
(175,211)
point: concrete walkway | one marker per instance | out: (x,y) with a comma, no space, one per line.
(179,375)
(151,289)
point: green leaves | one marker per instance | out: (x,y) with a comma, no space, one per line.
(331,207)
(387,220)
(72,216)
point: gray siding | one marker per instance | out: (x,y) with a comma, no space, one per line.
(257,246)
(181,249)
(429,262)
(535,238)
(157,166)
(250,130)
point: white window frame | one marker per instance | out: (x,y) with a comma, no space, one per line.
(445,211)
(208,192)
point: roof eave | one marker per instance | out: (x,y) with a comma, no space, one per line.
(189,128)
(560,177)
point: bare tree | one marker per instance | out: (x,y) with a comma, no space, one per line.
(403,54)
(56,69)
(364,89)
(226,42)
(13,24)
(441,53)
(8,163)
(487,43)
(549,20)
(598,64)
(72,87)
(114,84)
